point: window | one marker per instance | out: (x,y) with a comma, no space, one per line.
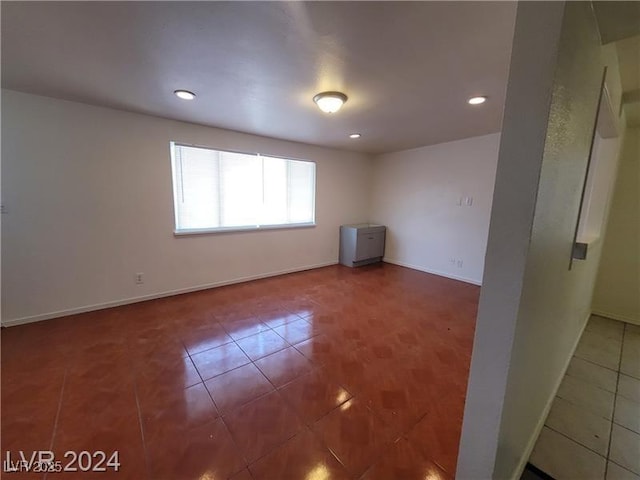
(215,190)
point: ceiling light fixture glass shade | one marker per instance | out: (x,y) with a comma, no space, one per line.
(185,94)
(330,102)
(476,100)
(355,135)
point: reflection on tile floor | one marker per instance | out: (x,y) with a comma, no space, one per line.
(593,428)
(331,373)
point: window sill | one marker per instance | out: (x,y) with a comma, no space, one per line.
(209,231)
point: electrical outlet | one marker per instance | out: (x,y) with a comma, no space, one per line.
(452,261)
(139,278)
(459,263)
(468,201)
(3,209)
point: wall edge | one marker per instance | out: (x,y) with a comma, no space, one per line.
(153,296)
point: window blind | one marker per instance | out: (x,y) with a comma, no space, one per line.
(220,190)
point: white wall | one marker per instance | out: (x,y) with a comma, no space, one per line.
(532,307)
(617,292)
(417,195)
(88,197)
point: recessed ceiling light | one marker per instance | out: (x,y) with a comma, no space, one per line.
(185,94)
(330,102)
(476,100)
(355,135)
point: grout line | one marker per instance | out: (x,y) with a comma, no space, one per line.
(228,430)
(321,441)
(594,363)
(610,421)
(626,428)
(577,442)
(626,469)
(144,442)
(275,447)
(587,409)
(55,423)
(304,424)
(280,443)
(615,401)
(588,382)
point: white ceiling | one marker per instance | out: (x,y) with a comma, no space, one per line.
(619,23)
(617,20)
(407,67)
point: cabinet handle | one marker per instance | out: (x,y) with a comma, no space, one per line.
(370,238)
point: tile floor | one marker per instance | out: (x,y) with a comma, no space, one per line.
(327,374)
(593,428)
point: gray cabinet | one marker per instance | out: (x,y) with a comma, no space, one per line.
(361,244)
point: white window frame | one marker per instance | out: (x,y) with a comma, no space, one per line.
(247,228)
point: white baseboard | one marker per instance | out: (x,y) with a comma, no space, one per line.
(126,301)
(434,272)
(543,418)
(616,316)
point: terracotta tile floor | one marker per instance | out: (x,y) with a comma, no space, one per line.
(326,374)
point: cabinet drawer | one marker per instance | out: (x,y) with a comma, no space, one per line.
(369,245)
(370,229)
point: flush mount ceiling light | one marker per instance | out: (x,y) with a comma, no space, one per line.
(476,100)
(185,94)
(355,135)
(330,102)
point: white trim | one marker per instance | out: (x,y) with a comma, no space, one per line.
(434,272)
(253,228)
(616,316)
(543,418)
(126,301)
